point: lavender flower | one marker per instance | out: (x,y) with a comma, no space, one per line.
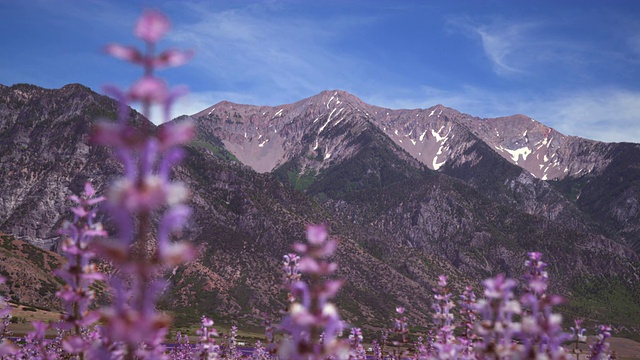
(536,278)
(400,327)
(36,345)
(446,345)
(420,350)
(206,348)
(261,353)
(272,346)
(377,351)
(291,273)
(144,189)
(600,348)
(541,329)
(183,350)
(229,349)
(313,314)
(578,335)
(355,343)
(469,316)
(6,347)
(79,273)
(497,327)
(578,332)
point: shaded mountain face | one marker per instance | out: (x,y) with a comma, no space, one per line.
(243,221)
(401,220)
(46,157)
(611,195)
(266,137)
(305,141)
(333,145)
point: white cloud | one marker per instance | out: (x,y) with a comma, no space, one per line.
(259,50)
(500,46)
(605,114)
(519,46)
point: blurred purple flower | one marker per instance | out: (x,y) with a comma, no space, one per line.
(143,191)
(312,322)
(152,26)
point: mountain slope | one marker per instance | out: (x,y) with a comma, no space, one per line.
(509,211)
(305,139)
(243,221)
(400,224)
(29,273)
(612,195)
(45,156)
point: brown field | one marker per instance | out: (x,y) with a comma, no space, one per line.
(30,314)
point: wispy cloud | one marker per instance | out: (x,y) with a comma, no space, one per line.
(519,46)
(257,49)
(601,114)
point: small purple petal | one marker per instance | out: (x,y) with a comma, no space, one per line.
(172,220)
(172,57)
(173,134)
(89,191)
(149,89)
(127,53)
(152,26)
(316,234)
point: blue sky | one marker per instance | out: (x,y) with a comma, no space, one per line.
(572,65)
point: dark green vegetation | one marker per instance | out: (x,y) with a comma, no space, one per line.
(596,298)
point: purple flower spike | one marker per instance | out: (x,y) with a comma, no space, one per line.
(172,57)
(141,194)
(79,273)
(600,348)
(446,346)
(313,322)
(127,53)
(316,234)
(152,26)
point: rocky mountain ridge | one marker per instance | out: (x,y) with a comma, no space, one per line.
(400,223)
(314,134)
(426,134)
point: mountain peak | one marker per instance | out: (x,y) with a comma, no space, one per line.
(75,86)
(333,98)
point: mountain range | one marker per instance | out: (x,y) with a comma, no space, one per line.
(410,194)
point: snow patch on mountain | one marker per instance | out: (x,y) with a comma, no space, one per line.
(517,153)
(422,135)
(437,134)
(329,119)
(437,165)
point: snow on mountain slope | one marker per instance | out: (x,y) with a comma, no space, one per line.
(541,150)
(265,137)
